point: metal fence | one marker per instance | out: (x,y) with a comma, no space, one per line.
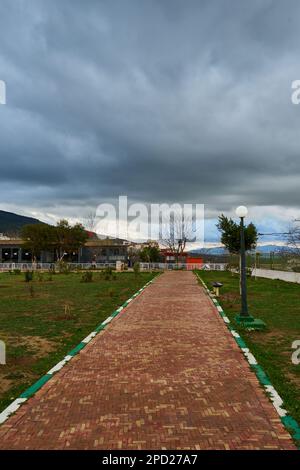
(183,266)
(53,266)
(87,266)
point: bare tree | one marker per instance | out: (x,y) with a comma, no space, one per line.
(90,223)
(293,246)
(175,234)
(293,238)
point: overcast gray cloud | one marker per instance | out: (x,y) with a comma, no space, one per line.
(161,100)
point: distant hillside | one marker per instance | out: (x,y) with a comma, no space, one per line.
(219,250)
(10,223)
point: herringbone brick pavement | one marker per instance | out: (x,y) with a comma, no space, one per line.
(165,374)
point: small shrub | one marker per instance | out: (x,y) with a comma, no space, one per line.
(137,268)
(28,276)
(107,274)
(87,276)
(67,312)
(63,267)
(31,290)
(17,271)
(111,292)
(40,277)
(178,268)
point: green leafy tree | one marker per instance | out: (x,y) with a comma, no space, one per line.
(37,238)
(63,238)
(150,254)
(231,236)
(69,239)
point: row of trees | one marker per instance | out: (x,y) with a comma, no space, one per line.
(64,238)
(60,239)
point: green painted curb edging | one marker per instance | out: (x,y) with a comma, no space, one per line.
(36,386)
(29,392)
(287,420)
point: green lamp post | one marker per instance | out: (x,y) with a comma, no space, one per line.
(244,318)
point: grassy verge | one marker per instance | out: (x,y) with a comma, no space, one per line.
(278,304)
(40,321)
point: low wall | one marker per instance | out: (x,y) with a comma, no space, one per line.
(184,266)
(272,274)
(143,266)
(47,266)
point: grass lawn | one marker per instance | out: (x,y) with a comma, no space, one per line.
(41,321)
(278,304)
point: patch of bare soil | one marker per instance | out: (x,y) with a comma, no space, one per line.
(35,294)
(41,346)
(231,300)
(11,375)
(295,379)
(230,297)
(5,384)
(274,336)
(38,345)
(23,361)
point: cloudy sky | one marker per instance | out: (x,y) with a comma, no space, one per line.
(159,100)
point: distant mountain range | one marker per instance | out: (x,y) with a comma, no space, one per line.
(220,250)
(11,224)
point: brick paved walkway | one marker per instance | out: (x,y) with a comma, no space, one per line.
(166,373)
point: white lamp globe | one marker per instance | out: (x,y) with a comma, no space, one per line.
(241,211)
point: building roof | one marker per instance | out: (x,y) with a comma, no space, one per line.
(90,243)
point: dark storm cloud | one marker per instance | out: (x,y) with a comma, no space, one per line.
(159,100)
